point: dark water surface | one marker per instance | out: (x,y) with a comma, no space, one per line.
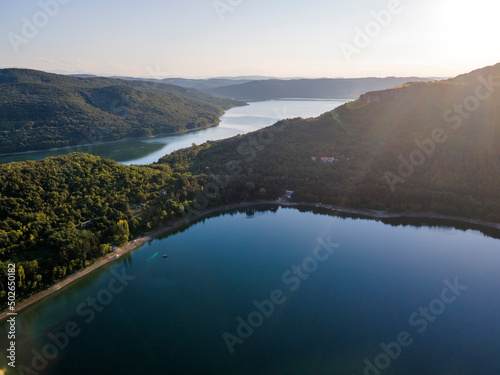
(317,294)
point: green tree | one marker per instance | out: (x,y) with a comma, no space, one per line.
(262,192)
(122,233)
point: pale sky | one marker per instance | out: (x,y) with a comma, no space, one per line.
(283,38)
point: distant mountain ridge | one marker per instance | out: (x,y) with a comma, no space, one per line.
(205,84)
(41,110)
(322,88)
(258,88)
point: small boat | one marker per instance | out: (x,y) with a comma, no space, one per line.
(165,255)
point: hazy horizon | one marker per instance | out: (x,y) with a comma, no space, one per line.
(240,38)
(241,77)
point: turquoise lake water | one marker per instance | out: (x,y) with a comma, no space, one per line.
(279,291)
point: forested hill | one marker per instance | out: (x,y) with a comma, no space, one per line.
(324,88)
(40,110)
(60,214)
(419,147)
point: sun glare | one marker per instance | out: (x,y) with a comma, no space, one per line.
(470,24)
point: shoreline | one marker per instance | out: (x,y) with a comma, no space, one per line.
(214,125)
(99,143)
(394,215)
(179,222)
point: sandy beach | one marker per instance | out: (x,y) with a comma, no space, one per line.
(179,222)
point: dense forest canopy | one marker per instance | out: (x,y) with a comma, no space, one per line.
(40,111)
(419,147)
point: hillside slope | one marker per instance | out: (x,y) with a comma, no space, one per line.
(419,147)
(324,88)
(41,111)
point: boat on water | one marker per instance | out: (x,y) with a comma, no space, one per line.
(165,256)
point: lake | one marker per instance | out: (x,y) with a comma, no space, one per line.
(279,291)
(239,120)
